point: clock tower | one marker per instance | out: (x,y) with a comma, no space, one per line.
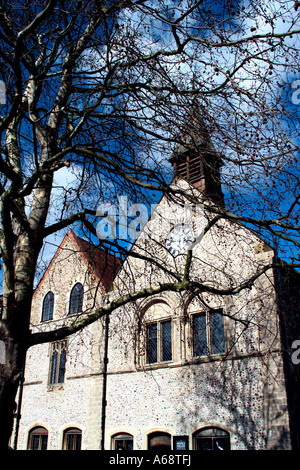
(196,160)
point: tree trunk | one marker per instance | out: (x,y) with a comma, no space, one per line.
(15,327)
(10,374)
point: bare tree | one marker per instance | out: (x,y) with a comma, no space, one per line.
(102,90)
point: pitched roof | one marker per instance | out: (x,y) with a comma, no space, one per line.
(103,265)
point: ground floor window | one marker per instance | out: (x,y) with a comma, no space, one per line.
(72,439)
(211,439)
(122,441)
(38,439)
(159,441)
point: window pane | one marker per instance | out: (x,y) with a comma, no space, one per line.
(70,442)
(166,332)
(44,442)
(53,367)
(62,363)
(36,441)
(128,445)
(72,439)
(212,439)
(48,303)
(124,444)
(217,333)
(200,336)
(204,444)
(78,442)
(122,441)
(152,343)
(76,299)
(221,443)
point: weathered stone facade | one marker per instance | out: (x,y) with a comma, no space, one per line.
(66,405)
(240,390)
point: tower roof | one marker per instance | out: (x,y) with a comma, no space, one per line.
(196,160)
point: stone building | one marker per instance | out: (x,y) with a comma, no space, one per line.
(205,368)
(59,377)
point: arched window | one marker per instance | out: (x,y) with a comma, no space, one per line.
(122,441)
(48,304)
(38,438)
(72,439)
(76,299)
(159,441)
(211,439)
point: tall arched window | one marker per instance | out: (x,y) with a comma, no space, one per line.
(211,439)
(76,299)
(48,304)
(38,439)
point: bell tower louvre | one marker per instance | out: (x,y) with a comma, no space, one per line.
(196,160)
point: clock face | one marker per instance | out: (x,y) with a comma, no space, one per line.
(179,240)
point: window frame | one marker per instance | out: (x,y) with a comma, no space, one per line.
(57,375)
(124,437)
(213,434)
(209,330)
(44,306)
(75,433)
(39,432)
(159,341)
(78,304)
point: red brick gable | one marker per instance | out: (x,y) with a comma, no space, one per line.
(101,264)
